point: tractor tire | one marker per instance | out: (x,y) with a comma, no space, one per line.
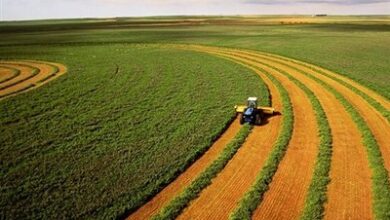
(258,119)
(242,121)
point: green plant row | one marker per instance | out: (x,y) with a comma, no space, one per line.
(15,73)
(369,99)
(175,206)
(380,178)
(253,196)
(316,196)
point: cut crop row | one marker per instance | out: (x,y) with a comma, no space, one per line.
(253,197)
(380,178)
(175,206)
(33,73)
(316,196)
(369,99)
(15,73)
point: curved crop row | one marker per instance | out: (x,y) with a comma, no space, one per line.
(380,178)
(253,197)
(174,208)
(33,73)
(41,73)
(316,197)
(381,185)
(15,73)
(380,108)
(54,73)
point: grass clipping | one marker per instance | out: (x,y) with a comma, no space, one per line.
(175,206)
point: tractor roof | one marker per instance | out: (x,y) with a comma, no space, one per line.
(252,99)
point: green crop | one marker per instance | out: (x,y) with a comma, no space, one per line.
(124,121)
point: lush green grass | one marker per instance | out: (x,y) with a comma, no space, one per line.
(358,49)
(254,195)
(122,123)
(176,205)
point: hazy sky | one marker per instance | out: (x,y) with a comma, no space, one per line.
(38,9)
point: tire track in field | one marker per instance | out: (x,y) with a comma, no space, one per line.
(31,75)
(183,180)
(350,172)
(218,199)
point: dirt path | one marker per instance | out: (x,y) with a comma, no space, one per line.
(174,188)
(32,75)
(221,197)
(349,193)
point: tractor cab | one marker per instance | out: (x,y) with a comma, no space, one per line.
(252,102)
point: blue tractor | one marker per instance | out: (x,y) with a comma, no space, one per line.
(251,113)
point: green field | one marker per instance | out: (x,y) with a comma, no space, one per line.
(357,47)
(129,116)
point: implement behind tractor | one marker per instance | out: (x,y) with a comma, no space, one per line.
(251,113)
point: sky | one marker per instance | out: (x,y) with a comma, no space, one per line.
(43,9)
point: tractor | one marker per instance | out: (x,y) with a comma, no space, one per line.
(251,113)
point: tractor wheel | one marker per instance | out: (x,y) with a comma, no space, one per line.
(242,121)
(258,119)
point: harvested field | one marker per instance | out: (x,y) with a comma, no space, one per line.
(22,76)
(350,192)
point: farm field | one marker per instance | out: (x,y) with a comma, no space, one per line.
(136,120)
